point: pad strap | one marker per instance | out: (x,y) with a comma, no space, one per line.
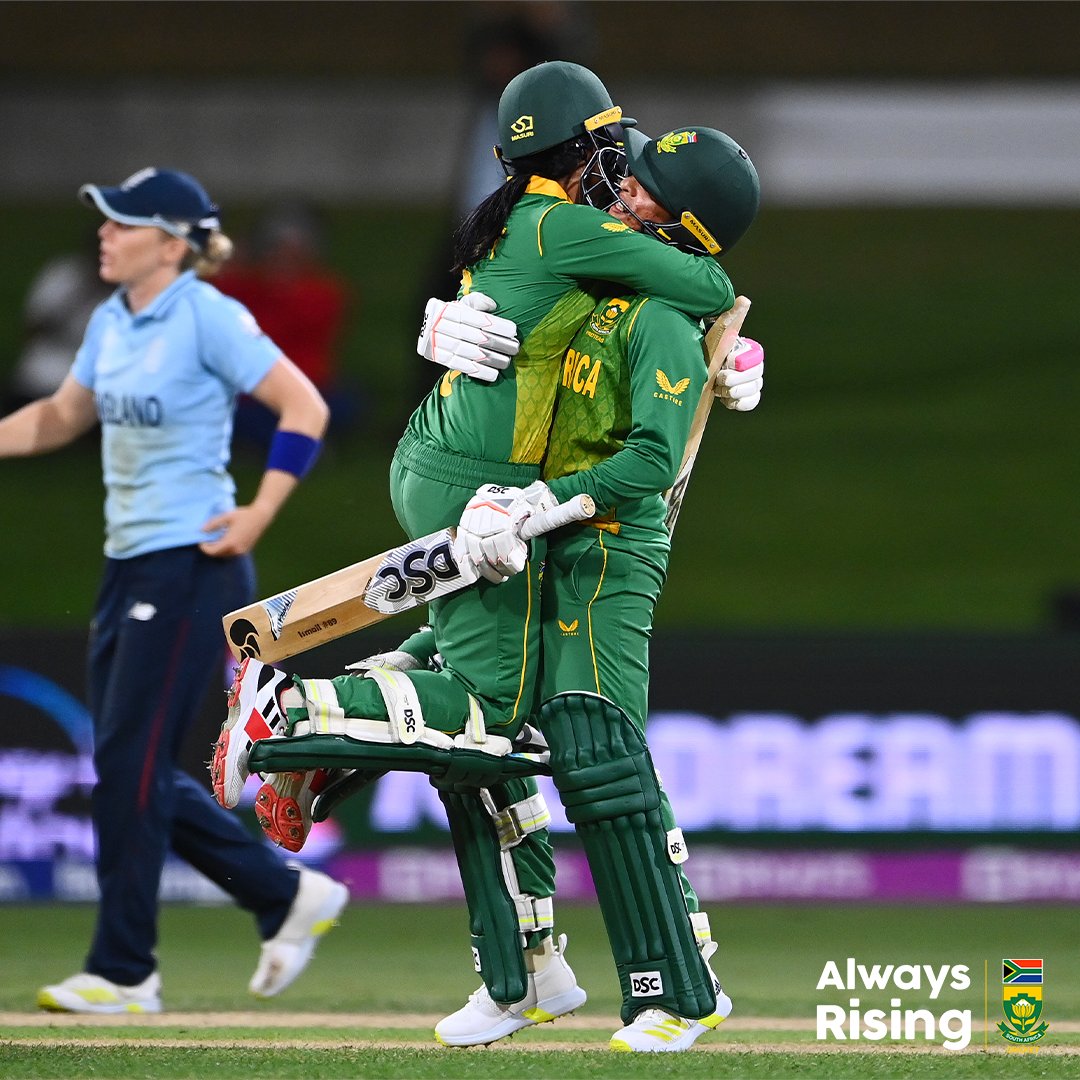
(512,824)
(402,703)
(324,710)
(476,736)
(533,912)
(363,730)
(676,846)
(702,931)
(517,820)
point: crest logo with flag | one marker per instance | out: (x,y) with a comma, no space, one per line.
(1021,1001)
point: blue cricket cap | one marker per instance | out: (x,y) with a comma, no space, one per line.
(162,198)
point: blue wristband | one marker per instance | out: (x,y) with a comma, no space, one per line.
(293,453)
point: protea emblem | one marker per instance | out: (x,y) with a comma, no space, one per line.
(603,324)
(1025,1012)
(669,143)
(1022,1001)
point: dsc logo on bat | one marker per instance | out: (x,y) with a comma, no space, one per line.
(413,574)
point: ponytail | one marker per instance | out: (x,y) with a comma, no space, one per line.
(217,251)
(476,235)
(479,232)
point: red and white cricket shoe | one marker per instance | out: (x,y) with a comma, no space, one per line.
(255,712)
(283,805)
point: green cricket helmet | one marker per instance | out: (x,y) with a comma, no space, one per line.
(552,103)
(704,178)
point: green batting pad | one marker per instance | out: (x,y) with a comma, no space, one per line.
(456,767)
(492,915)
(605,776)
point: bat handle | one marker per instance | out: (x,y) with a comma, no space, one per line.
(744,354)
(579,508)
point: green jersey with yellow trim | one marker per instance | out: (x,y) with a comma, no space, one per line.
(550,253)
(630,383)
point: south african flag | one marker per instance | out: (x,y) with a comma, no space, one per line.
(1015,972)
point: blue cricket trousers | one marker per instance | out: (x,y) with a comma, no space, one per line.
(156,644)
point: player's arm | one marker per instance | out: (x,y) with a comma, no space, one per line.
(49,423)
(583,244)
(302,419)
(464,335)
(289,393)
(667,373)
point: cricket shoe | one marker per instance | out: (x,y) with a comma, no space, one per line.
(319,901)
(552,993)
(255,712)
(283,804)
(659,1031)
(86,993)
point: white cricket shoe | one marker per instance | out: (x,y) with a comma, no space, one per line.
(283,805)
(86,993)
(255,712)
(657,1030)
(552,993)
(319,901)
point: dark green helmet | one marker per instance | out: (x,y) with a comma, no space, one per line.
(704,178)
(552,103)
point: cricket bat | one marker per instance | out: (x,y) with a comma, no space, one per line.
(718,342)
(367,592)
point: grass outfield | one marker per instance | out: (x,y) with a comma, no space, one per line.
(367,1005)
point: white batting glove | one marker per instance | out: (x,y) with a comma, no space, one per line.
(487,534)
(739,382)
(539,497)
(464,336)
(395,660)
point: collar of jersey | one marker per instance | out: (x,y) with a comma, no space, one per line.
(157,307)
(541,185)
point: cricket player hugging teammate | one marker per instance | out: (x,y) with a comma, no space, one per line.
(851,1021)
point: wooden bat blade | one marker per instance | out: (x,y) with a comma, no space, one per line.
(367,592)
(718,343)
(346,600)
(301,618)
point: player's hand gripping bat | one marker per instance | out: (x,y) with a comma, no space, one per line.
(718,342)
(368,592)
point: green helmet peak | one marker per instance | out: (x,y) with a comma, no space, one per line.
(552,103)
(704,178)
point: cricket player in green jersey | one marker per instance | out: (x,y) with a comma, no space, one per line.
(534,249)
(629,383)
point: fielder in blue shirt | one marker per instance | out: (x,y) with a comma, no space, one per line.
(160,368)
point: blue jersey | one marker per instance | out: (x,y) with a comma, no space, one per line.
(165,383)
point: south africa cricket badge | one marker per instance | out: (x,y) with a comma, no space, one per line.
(1021,1001)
